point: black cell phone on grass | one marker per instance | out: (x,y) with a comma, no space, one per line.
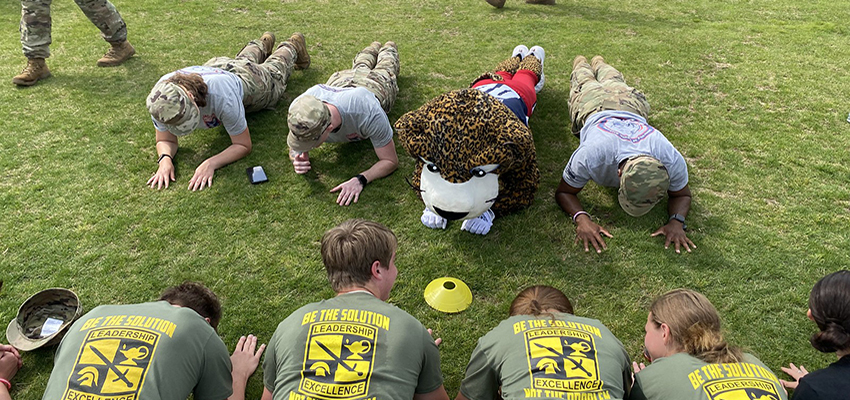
(256,175)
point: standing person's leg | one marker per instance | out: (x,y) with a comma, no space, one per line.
(35,41)
(105,17)
(620,95)
(586,94)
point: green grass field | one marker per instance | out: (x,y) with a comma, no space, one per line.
(753,93)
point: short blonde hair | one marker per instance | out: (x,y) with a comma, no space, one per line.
(349,249)
(694,325)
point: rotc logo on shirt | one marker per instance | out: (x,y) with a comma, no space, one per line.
(562,359)
(338,360)
(741,389)
(112,364)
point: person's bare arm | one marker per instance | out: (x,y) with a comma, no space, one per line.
(239,148)
(349,191)
(166,149)
(245,359)
(679,202)
(587,231)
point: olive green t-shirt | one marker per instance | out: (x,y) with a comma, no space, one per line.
(148,351)
(567,357)
(353,346)
(684,377)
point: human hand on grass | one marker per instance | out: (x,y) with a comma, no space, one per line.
(589,232)
(10,362)
(300,161)
(164,174)
(348,191)
(637,367)
(203,177)
(437,341)
(246,357)
(675,234)
(795,373)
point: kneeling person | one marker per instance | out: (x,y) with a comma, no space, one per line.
(354,345)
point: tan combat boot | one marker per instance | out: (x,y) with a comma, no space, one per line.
(268,42)
(302,60)
(116,55)
(496,3)
(35,70)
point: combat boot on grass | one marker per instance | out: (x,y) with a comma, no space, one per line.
(268,42)
(302,60)
(35,70)
(117,54)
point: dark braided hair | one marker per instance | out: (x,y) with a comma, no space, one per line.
(829,303)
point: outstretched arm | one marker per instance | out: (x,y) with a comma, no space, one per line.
(166,149)
(678,203)
(239,148)
(349,191)
(587,231)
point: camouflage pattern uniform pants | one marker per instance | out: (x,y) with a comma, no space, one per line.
(36,23)
(375,68)
(263,76)
(600,87)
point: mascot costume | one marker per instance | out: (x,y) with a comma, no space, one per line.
(474,152)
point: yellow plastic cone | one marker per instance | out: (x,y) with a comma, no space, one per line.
(449,295)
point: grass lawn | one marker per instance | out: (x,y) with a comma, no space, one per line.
(753,93)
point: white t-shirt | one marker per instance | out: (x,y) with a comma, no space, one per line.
(361,112)
(224,100)
(609,137)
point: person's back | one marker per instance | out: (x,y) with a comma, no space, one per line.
(355,345)
(148,351)
(692,361)
(684,377)
(544,351)
(351,346)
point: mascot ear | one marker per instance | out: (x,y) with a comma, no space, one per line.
(411,134)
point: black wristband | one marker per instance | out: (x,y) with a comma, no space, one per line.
(163,155)
(362,179)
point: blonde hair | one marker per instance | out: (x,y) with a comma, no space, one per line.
(535,300)
(349,249)
(694,326)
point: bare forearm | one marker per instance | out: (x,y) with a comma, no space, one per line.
(166,147)
(379,170)
(232,153)
(568,202)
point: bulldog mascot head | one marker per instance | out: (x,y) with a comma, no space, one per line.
(474,159)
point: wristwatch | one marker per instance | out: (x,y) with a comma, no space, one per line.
(679,218)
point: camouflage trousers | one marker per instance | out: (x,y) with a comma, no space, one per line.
(600,87)
(263,75)
(374,68)
(36,24)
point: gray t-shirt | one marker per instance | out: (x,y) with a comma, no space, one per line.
(224,100)
(684,377)
(148,351)
(562,356)
(353,346)
(609,137)
(361,112)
